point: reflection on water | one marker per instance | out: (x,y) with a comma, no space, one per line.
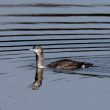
(38,78)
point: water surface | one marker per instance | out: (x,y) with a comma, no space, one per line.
(78,31)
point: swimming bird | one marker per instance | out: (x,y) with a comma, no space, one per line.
(59,64)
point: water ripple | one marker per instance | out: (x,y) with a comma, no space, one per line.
(57,15)
(52,5)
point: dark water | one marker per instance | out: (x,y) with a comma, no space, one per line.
(64,30)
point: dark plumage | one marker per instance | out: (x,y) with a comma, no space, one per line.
(68,64)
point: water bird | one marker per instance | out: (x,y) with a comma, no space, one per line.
(59,64)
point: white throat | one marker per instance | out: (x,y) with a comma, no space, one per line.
(41,66)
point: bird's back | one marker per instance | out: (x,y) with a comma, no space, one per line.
(68,64)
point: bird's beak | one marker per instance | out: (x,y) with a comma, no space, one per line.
(31,49)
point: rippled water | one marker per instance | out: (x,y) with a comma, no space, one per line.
(64,30)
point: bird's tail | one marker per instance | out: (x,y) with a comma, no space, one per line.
(86,65)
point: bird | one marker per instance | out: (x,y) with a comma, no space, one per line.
(67,64)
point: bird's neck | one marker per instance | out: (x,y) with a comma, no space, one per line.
(40,61)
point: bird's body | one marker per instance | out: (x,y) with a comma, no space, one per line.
(68,64)
(59,64)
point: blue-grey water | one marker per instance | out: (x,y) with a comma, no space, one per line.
(79,30)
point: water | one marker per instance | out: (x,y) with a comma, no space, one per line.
(78,31)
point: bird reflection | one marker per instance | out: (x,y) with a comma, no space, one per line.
(38,79)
